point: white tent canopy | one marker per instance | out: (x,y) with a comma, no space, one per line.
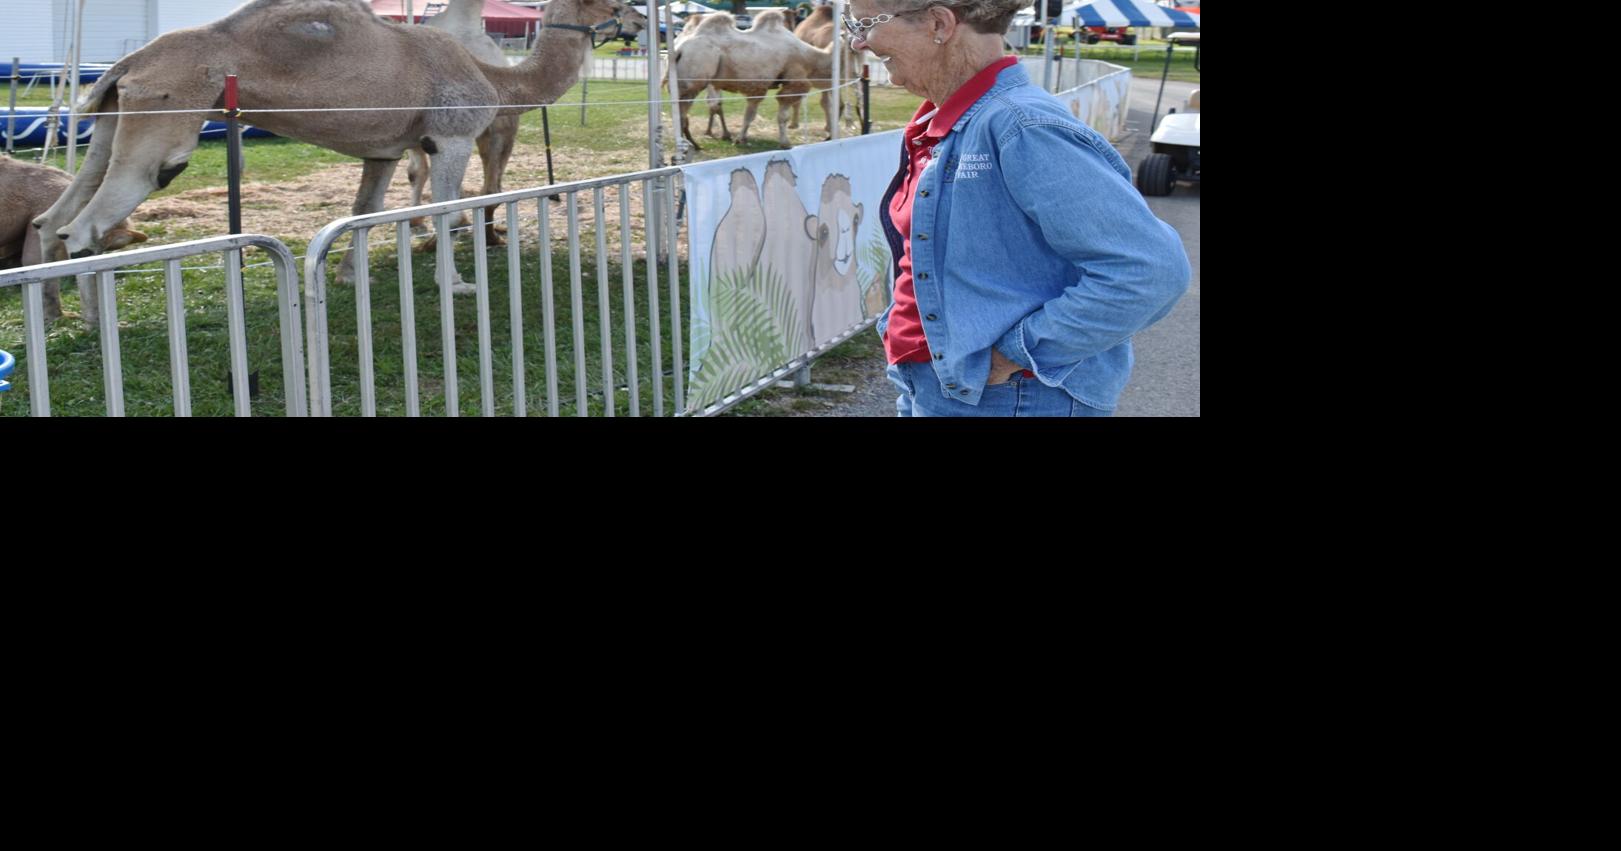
(1115,13)
(683,8)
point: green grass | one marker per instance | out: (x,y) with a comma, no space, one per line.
(1148,63)
(842,364)
(74,353)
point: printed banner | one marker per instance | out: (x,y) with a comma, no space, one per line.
(1102,103)
(786,252)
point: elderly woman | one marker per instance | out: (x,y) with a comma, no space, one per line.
(1025,259)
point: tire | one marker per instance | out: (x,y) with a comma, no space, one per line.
(1092,39)
(1154,175)
(1128,39)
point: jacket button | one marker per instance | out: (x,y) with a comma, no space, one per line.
(930,317)
(923,236)
(938,356)
(923,193)
(965,392)
(923,276)
(953,386)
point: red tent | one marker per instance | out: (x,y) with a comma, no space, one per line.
(499,16)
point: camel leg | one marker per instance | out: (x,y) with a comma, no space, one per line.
(416,170)
(718,111)
(446,168)
(717,108)
(827,110)
(686,127)
(494,149)
(748,116)
(374,177)
(785,101)
(52,289)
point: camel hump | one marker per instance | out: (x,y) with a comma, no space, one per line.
(772,18)
(715,22)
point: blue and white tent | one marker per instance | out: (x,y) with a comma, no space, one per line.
(1116,13)
(27,125)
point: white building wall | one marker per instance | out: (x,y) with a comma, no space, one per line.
(37,30)
(29,31)
(112,28)
(175,14)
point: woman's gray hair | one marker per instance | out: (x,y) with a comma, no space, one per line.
(986,16)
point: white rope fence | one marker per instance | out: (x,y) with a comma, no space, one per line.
(246,111)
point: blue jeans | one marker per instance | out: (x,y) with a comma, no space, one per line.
(1018,397)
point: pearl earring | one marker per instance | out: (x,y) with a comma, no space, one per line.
(938,41)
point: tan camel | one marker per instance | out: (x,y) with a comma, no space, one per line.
(789,251)
(689,25)
(818,30)
(751,63)
(740,234)
(26,191)
(464,19)
(307,55)
(836,288)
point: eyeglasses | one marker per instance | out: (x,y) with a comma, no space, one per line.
(858,27)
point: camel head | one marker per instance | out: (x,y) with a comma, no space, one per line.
(835,224)
(595,13)
(631,22)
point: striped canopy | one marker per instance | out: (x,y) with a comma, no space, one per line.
(1117,13)
(1127,13)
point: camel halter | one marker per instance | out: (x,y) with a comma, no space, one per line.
(590,32)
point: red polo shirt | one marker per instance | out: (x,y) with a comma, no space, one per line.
(904,341)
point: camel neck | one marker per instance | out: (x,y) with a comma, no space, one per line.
(548,72)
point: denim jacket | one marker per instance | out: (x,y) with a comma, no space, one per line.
(1028,235)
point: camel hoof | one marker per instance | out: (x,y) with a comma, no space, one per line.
(429,244)
(494,240)
(463,289)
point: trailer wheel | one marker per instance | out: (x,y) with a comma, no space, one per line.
(1128,39)
(1154,175)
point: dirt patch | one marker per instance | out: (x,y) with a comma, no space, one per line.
(294,209)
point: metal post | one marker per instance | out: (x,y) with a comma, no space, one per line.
(866,100)
(654,159)
(654,108)
(233,154)
(585,87)
(11,111)
(1155,120)
(73,87)
(546,128)
(676,149)
(1047,54)
(233,177)
(838,56)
